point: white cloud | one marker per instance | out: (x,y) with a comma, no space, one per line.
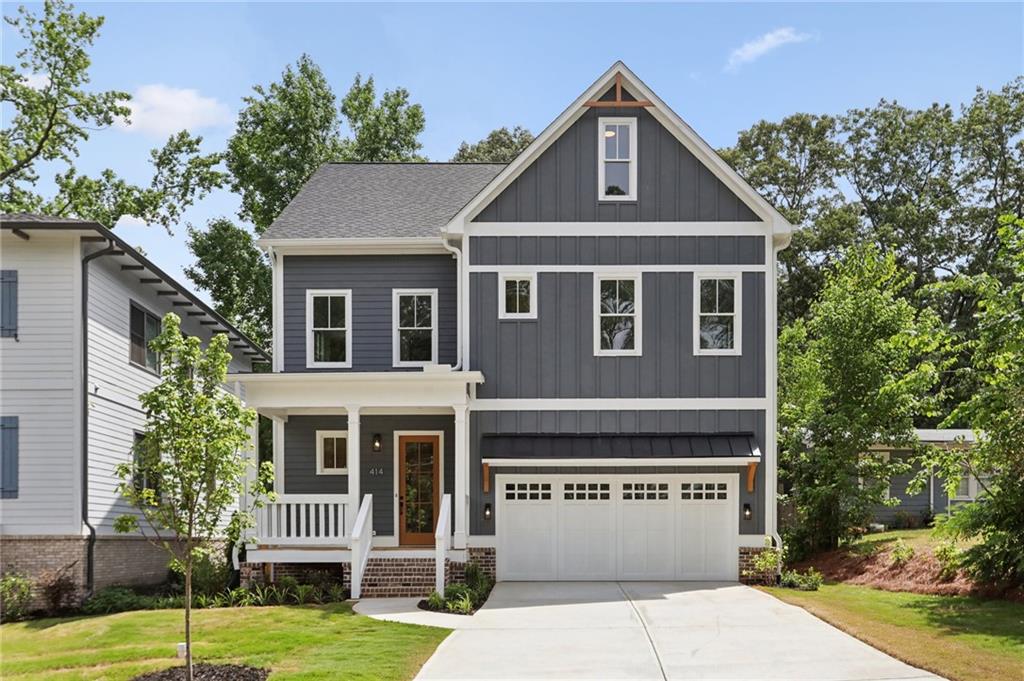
(37,81)
(162,110)
(758,47)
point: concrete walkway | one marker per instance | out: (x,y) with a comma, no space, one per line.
(640,630)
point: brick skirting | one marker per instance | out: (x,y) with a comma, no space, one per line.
(748,573)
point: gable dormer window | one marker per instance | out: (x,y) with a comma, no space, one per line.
(616,172)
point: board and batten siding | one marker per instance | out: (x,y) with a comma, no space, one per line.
(552,356)
(616,250)
(561,185)
(371,278)
(115,384)
(377,468)
(39,384)
(618,422)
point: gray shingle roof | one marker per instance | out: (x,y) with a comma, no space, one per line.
(380,200)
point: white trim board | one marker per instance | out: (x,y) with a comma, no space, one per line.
(630,229)
(631,462)
(622,404)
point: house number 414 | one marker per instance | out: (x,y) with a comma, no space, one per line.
(376,470)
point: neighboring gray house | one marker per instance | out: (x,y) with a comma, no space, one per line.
(79,306)
(916,510)
(561,368)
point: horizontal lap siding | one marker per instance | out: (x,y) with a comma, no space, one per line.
(553,356)
(561,185)
(38,383)
(616,250)
(371,279)
(609,422)
(915,505)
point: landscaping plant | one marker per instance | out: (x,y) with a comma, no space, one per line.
(15,596)
(60,592)
(807,581)
(901,553)
(855,373)
(189,470)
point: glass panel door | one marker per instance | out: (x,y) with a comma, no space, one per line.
(419,473)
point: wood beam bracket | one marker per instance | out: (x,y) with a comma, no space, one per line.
(618,102)
(487,478)
(751,475)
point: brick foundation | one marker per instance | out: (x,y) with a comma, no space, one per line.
(486,558)
(748,573)
(130,561)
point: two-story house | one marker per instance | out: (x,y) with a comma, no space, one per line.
(79,306)
(562,368)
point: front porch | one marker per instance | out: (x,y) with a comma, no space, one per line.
(370,469)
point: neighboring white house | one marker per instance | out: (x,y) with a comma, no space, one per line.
(60,377)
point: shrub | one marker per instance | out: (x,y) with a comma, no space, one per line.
(809,581)
(58,588)
(767,563)
(336,593)
(455,591)
(304,593)
(462,604)
(15,596)
(950,559)
(114,599)
(435,601)
(210,576)
(901,553)
(903,520)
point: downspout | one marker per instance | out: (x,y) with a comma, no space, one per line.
(457,253)
(90,560)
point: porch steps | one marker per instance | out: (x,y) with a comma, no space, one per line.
(398,577)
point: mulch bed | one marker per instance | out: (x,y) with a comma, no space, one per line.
(208,672)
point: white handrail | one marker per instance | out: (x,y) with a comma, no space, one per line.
(442,541)
(362,541)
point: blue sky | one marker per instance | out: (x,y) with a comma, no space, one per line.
(722,67)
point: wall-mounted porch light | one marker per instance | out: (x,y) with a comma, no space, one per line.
(376,442)
(748,512)
(487,511)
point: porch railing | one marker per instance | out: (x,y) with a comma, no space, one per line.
(442,541)
(303,520)
(362,542)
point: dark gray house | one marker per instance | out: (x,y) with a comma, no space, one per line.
(562,368)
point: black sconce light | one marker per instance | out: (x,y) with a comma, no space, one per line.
(748,512)
(376,442)
(487,511)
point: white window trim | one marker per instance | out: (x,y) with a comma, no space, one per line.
(395,345)
(737,279)
(616,120)
(973,488)
(516,276)
(310,362)
(320,435)
(638,345)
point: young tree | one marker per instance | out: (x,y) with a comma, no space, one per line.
(856,373)
(996,411)
(190,469)
(500,146)
(54,113)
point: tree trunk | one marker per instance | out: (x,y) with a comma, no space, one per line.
(188,621)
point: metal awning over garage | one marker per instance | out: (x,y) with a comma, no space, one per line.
(618,450)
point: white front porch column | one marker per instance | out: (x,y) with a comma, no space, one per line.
(352,463)
(461,478)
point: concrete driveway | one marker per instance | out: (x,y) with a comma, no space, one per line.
(640,630)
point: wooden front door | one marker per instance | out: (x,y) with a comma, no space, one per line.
(419,488)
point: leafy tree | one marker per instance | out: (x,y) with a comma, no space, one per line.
(190,468)
(500,146)
(52,117)
(855,373)
(286,131)
(996,411)
(235,272)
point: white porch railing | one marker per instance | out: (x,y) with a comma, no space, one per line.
(442,541)
(303,520)
(362,542)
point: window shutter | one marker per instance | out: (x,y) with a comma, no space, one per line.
(8,303)
(8,457)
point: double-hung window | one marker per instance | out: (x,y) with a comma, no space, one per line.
(331,452)
(517,296)
(717,324)
(143,328)
(9,304)
(616,171)
(329,329)
(617,315)
(414,320)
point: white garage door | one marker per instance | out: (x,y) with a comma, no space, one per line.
(636,527)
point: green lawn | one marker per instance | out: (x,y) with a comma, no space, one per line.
(961,638)
(297,642)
